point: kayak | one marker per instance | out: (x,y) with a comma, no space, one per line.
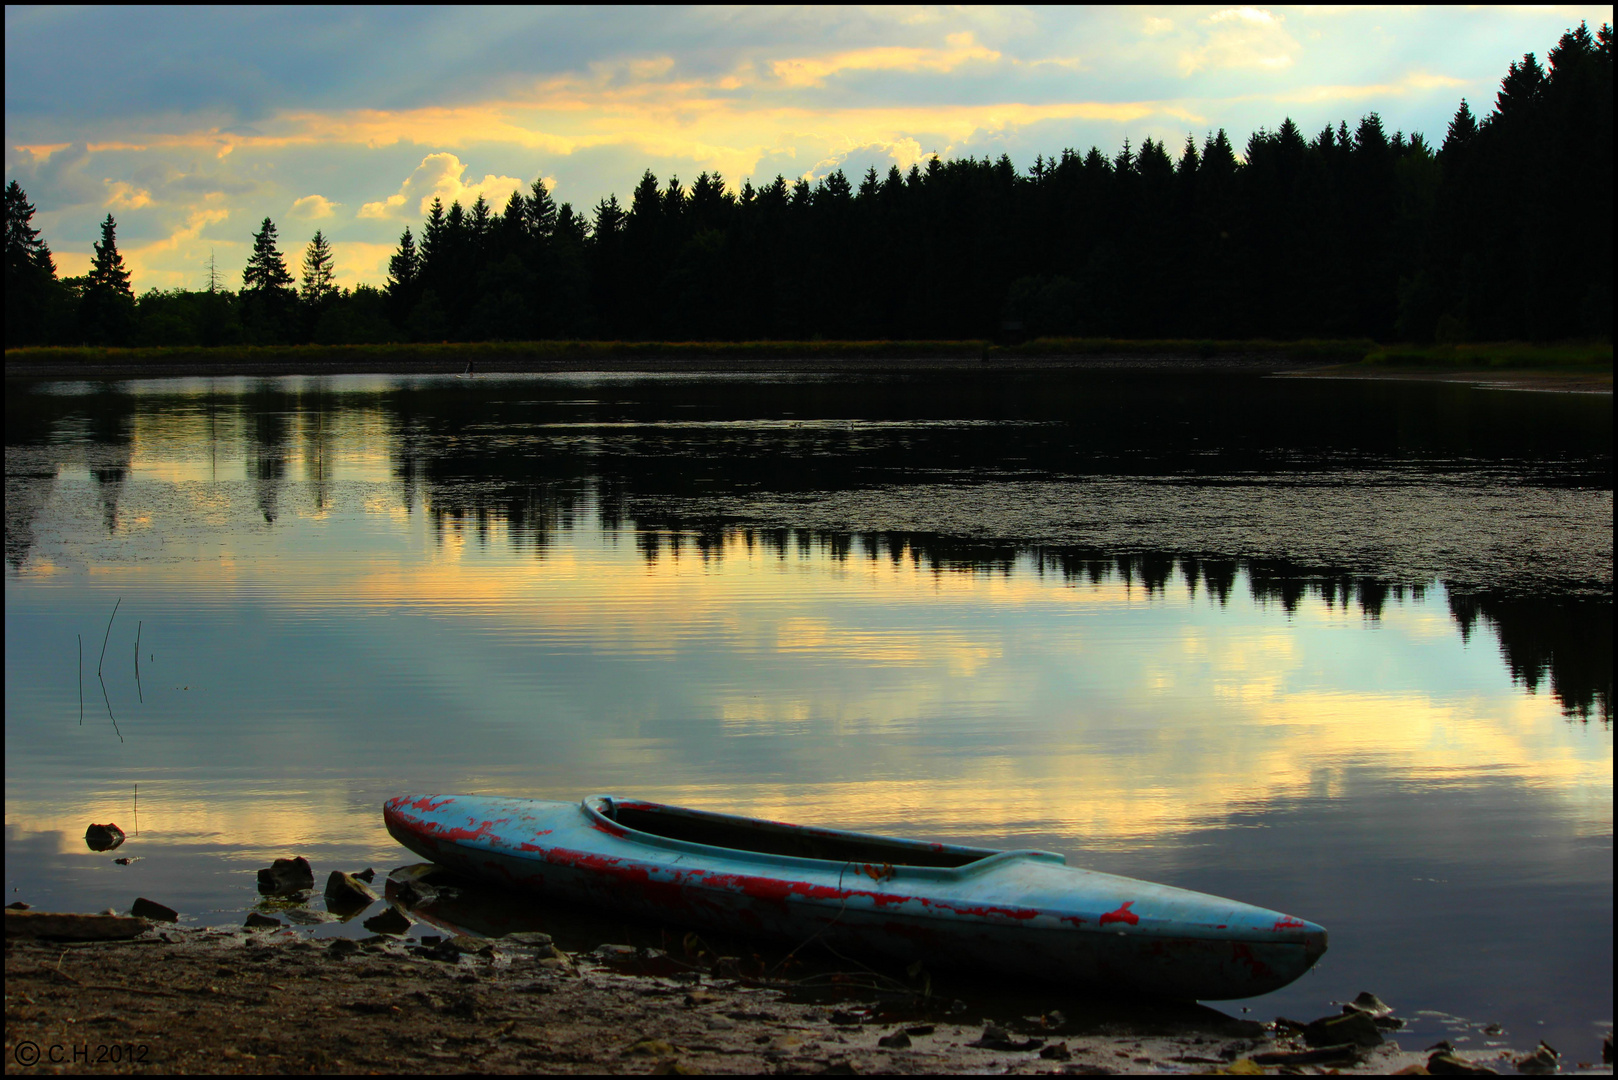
(1024,913)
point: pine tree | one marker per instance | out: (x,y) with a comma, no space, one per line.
(107,270)
(405,265)
(318,286)
(1462,129)
(539,213)
(107,311)
(30,272)
(268,300)
(404,279)
(266,269)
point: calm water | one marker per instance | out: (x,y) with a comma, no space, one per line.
(1341,649)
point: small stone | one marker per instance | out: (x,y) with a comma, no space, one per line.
(614,954)
(527,939)
(995,1037)
(342,947)
(897,1041)
(1369,1003)
(468,945)
(1543,1060)
(367,875)
(143,908)
(1056,1052)
(1354,1028)
(390,921)
(348,889)
(123,860)
(1445,1063)
(286,876)
(103,837)
(651,1048)
(18,905)
(256,921)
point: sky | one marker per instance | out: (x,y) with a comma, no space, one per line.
(192,125)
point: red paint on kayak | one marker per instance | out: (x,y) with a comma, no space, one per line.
(1244,955)
(1123,915)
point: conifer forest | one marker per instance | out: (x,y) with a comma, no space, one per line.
(1500,230)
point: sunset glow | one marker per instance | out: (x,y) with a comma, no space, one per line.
(190,126)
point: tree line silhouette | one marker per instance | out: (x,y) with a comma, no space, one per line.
(1503,232)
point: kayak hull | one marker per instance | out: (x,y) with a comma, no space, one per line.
(1024,913)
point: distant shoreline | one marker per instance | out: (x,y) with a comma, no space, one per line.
(1581,368)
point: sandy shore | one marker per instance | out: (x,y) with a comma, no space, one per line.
(233,1000)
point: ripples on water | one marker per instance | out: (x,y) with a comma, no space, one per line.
(1339,649)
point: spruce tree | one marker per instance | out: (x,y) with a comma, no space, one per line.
(318,287)
(30,272)
(266,268)
(107,311)
(404,279)
(268,300)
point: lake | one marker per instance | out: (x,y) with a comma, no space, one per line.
(1338,648)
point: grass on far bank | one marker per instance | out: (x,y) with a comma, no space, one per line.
(489,355)
(540,351)
(1496,356)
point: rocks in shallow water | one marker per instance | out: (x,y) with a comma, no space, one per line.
(1543,1060)
(1447,1063)
(1377,1009)
(347,895)
(1352,1028)
(255,921)
(151,909)
(390,921)
(367,875)
(18,905)
(286,876)
(63,927)
(103,837)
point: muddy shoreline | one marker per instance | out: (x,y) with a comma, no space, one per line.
(233,1000)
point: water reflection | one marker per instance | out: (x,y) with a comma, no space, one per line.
(1304,648)
(1504,500)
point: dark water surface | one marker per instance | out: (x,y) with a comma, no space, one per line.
(1341,649)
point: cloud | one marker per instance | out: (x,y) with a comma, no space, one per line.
(1155,25)
(1244,37)
(314,207)
(122,196)
(806,71)
(439,176)
(1417,82)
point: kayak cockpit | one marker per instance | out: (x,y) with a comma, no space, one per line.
(777,838)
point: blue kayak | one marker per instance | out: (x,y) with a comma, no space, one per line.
(1025,913)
